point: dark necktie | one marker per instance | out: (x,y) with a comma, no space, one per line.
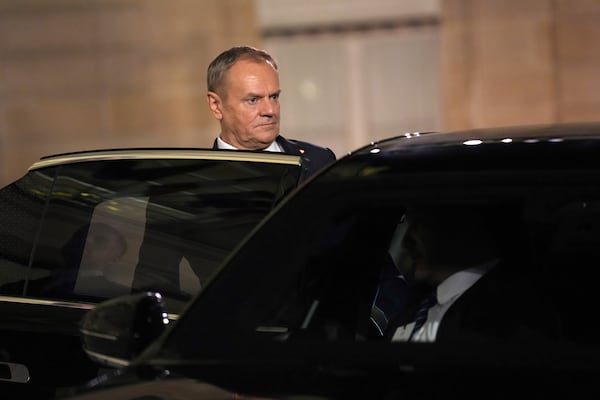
(421,314)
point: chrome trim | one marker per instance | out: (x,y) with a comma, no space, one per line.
(173,317)
(107,360)
(19,373)
(58,303)
(94,334)
(141,154)
(52,303)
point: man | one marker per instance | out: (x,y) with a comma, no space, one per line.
(243,95)
(472,291)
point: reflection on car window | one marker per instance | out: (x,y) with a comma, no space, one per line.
(336,279)
(146,224)
(102,271)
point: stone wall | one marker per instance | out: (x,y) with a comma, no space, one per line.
(78,74)
(81,74)
(519,62)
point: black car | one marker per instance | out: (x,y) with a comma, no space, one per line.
(81,228)
(310,303)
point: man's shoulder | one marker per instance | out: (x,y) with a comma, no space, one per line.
(304,147)
(309,146)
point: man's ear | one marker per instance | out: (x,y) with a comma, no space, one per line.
(214,103)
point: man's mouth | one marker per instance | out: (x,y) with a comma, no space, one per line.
(267,125)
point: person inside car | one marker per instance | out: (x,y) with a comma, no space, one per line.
(243,95)
(466,288)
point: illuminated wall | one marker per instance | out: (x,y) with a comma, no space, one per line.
(80,74)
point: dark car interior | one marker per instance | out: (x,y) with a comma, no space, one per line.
(326,286)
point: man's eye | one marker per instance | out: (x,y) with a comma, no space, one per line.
(275,97)
(252,100)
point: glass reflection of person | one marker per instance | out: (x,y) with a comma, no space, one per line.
(98,269)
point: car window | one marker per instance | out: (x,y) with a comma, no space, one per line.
(115,226)
(314,272)
(22,204)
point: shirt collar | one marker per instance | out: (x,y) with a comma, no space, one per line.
(457,283)
(273,147)
(224,145)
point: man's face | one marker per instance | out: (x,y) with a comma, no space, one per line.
(247,106)
(416,244)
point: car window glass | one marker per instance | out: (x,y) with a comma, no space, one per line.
(148,224)
(111,252)
(111,248)
(22,204)
(320,280)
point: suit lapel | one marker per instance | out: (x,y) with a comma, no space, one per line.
(289,147)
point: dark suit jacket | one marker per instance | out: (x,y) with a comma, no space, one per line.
(314,157)
(165,261)
(500,305)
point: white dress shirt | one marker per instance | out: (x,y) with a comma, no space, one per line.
(446,292)
(274,147)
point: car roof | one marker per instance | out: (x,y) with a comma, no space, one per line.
(567,145)
(166,153)
(500,135)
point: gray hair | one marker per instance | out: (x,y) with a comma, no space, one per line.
(220,65)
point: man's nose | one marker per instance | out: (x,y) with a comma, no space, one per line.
(267,106)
